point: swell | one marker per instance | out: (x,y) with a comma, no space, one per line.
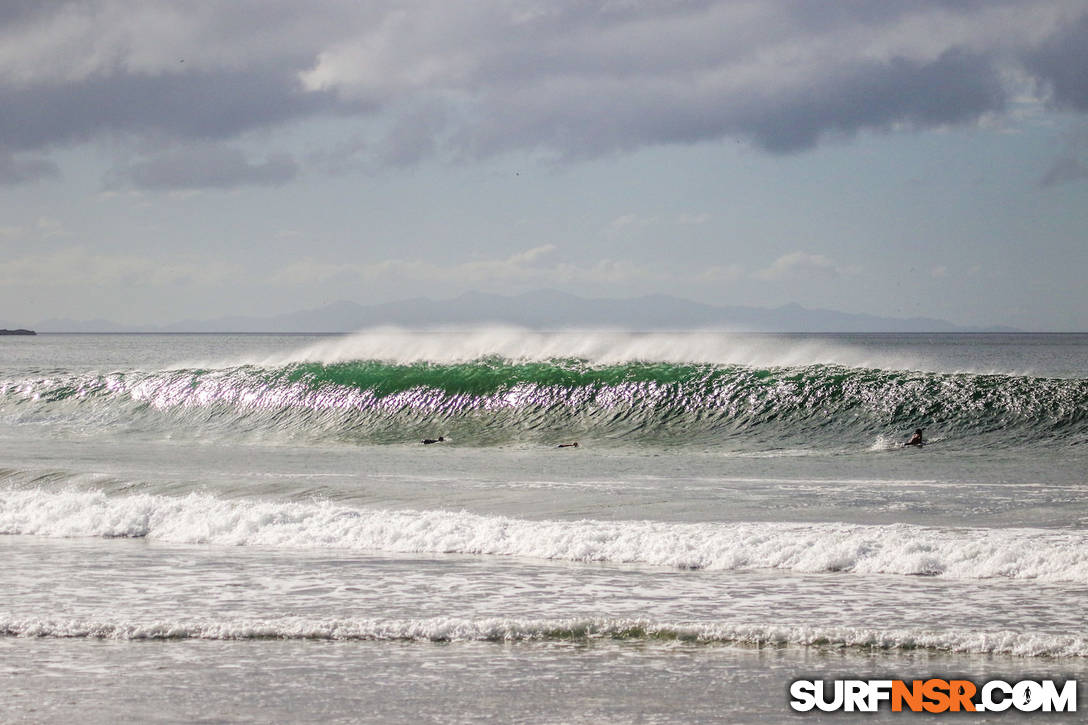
(864,550)
(443,629)
(495,400)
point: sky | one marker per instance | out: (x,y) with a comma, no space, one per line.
(189,160)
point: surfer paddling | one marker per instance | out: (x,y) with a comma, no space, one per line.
(429,441)
(568,445)
(916,439)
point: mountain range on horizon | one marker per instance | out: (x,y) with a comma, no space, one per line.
(541,309)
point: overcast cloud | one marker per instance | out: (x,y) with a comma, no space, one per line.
(199,158)
(464,81)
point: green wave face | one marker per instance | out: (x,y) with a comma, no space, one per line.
(484,377)
(496,401)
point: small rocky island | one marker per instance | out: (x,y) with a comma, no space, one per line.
(17,332)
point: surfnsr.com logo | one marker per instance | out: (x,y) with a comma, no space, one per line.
(933,695)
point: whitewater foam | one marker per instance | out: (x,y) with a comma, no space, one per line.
(802,547)
(446,629)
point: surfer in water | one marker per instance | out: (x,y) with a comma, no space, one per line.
(916,439)
(568,445)
(429,441)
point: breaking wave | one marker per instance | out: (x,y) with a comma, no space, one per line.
(497,400)
(903,549)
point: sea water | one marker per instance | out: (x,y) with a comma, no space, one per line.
(246,528)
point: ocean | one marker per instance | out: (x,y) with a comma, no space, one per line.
(247,528)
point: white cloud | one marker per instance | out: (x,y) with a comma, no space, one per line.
(804,266)
(722,273)
(309,271)
(48,227)
(630,222)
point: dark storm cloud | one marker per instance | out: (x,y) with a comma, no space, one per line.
(956,87)
(206,167)
(571,78)
(1062,64)
(12,11)
(197,105)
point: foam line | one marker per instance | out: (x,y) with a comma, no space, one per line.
(444,629)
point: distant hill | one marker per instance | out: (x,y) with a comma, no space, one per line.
(542,309)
